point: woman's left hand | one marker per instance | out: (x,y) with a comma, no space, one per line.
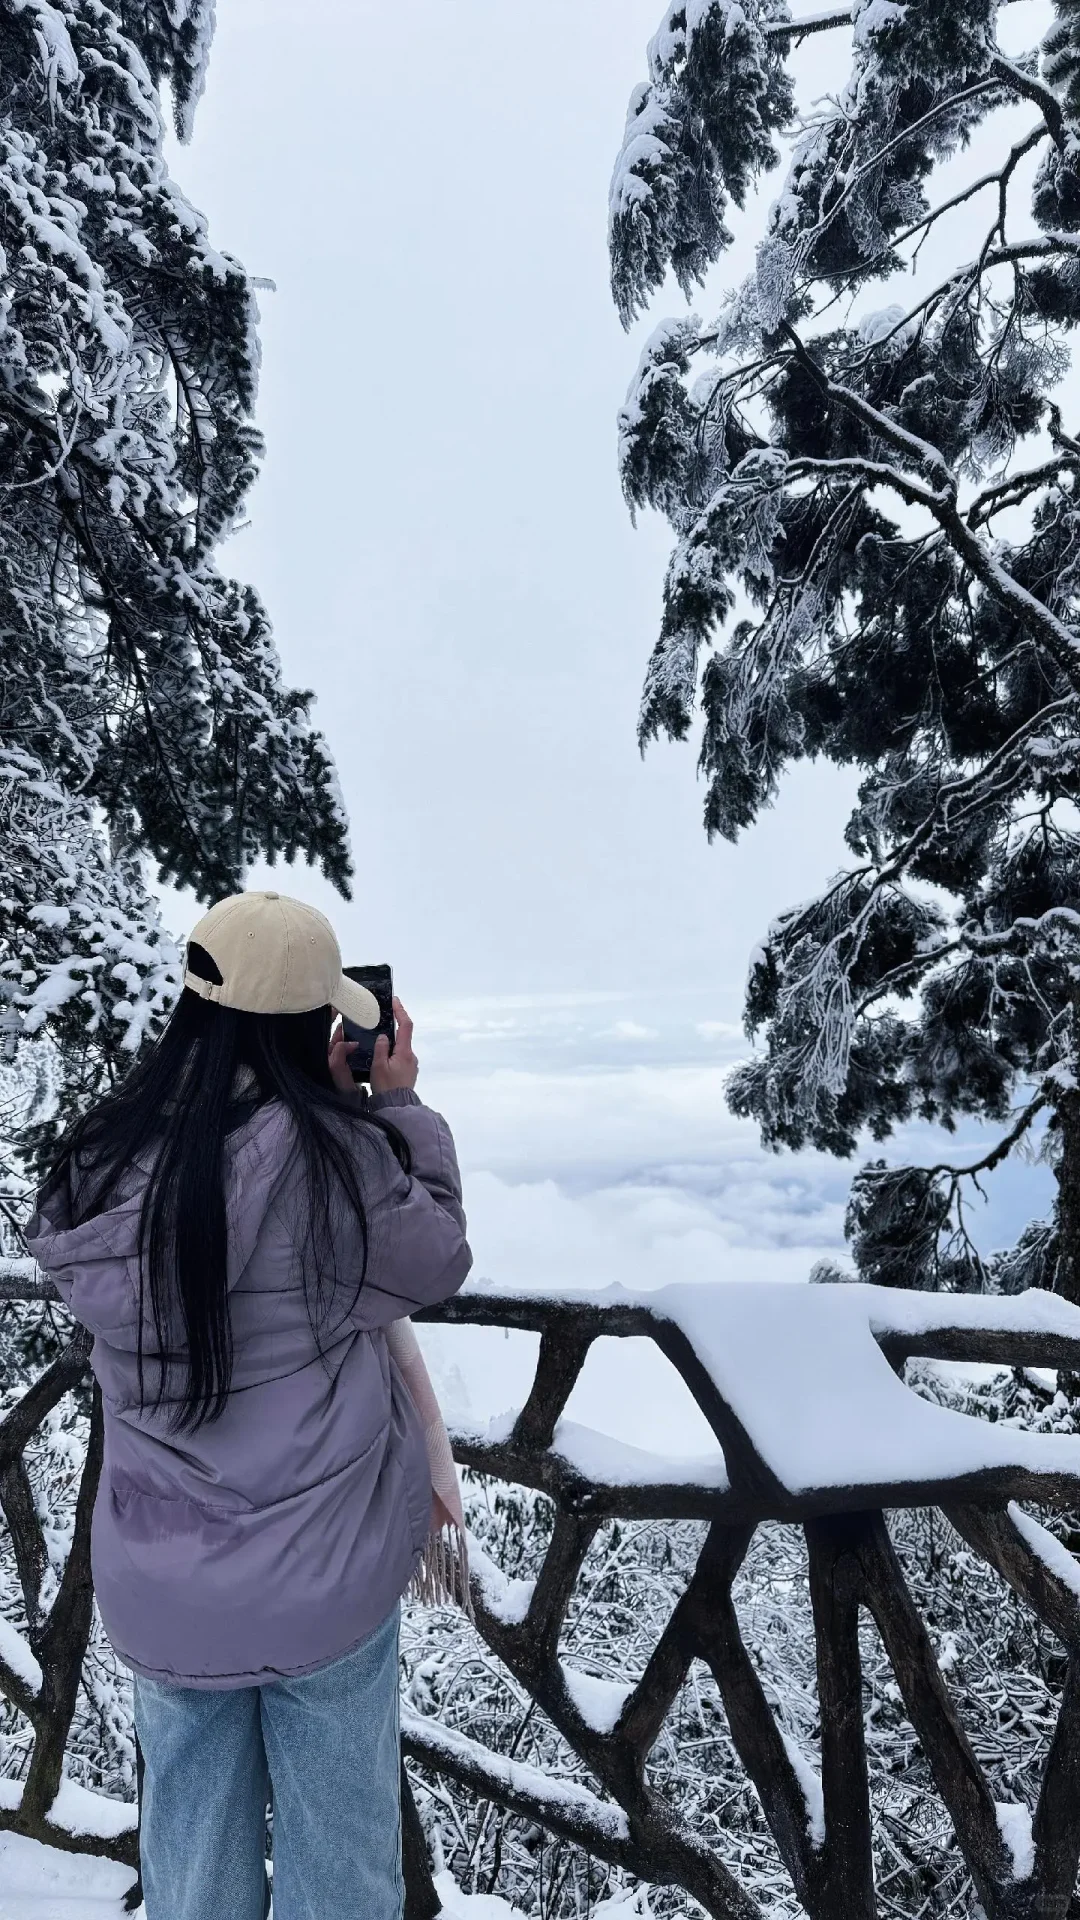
(340,1052)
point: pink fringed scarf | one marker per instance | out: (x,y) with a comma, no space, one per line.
(443,1574)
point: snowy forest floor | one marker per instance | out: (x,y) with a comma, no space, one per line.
(40,1883)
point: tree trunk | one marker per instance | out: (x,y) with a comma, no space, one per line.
(1067,1277)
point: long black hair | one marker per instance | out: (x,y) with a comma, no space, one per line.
(209,1072)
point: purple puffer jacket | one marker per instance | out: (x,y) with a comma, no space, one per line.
(274,1539)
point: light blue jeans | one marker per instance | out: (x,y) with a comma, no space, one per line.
(328,1744)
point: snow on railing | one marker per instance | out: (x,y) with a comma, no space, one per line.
(814,1426)
(803,1388)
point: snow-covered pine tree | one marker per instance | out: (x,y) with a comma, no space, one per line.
(881,503)
(142,711)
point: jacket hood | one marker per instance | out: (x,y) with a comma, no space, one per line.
(99,1257)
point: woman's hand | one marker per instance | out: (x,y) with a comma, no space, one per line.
(340,1052)
(397,1069)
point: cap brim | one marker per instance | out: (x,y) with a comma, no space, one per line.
(357,1004)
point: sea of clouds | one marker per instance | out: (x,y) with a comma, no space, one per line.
(596,1146)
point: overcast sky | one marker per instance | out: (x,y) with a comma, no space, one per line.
(439,531)
(440,537)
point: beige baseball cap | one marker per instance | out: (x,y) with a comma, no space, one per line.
(276,955)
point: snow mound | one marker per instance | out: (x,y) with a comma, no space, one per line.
(810,1781)
(79,1812)
(614,1463)
(472,1906)
(508,1600)
(804,1373)
(599,1702)
(1014,1825)
(15,1652)
(41,1883)
(1053,1552)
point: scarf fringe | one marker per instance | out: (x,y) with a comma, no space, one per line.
(442,1578)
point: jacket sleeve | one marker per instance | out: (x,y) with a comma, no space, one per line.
(418,1253)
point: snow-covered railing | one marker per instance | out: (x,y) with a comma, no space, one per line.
(40,1670)
(814,1426)
(803,1388)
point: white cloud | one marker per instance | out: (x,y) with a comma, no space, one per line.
(644,1235)
(636,1174)
(593,1124)
(580,1169)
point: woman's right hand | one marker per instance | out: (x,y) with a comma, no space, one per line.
(400,1068)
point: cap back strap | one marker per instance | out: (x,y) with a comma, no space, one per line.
(206,989)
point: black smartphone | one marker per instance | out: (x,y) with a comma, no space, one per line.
(380,982)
